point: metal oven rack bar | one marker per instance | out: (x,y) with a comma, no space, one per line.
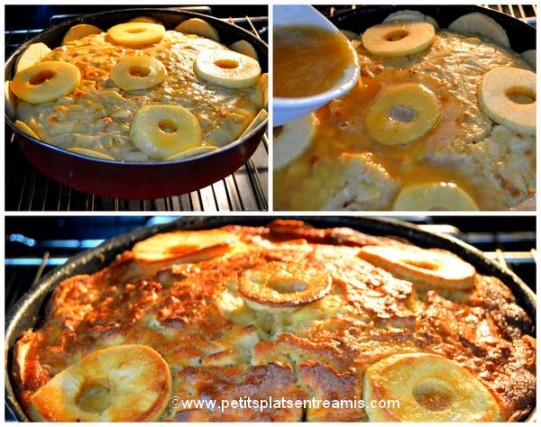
(527,13)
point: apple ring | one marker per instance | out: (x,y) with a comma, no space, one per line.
(161,131)
(138,72)
(282,284)
(227,68)
(434,196)
(430,388)
(398,38)
(436,269)
(198,27)
(244,48)
(508,96)
(402,113)
(136,33)
(119,383)
(79,31)
(45,81)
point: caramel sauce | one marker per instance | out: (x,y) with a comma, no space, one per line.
(402,161)
(342,130)
(308,60)
(463,147)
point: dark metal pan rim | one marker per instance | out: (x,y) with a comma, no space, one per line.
(23,315)
(119,163)
(511,24)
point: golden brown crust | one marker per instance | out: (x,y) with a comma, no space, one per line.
(324,383)
(194,313)
(259,383)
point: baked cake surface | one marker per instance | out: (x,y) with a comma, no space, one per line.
(276,317)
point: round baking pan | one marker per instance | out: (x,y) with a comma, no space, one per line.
(142,180)
(28,311)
